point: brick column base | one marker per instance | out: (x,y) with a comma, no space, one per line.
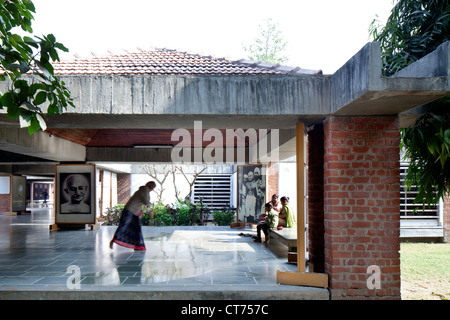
(362,207)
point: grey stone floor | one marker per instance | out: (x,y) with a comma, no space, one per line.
(180,263)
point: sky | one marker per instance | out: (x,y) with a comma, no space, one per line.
(320,34)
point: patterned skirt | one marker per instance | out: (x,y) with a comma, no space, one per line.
(129,233)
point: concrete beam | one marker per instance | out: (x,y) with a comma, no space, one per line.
(152,155)
(175,101)
(434,64)
(358,88)
(34,170)
(174,121)
(40,145)
(199,94)
(281,145)
(278,146)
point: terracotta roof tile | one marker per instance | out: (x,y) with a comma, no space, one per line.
(165,61)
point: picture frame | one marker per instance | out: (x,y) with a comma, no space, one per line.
(75,194)
(251,192)
(19,200)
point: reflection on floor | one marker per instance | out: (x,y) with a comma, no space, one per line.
(180,262)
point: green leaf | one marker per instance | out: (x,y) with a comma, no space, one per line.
(8,99)
(24,67)
(41,121)
(51,38)
(52,109)
(31,42)
(40,97)
(35,87)
(30,107)
(34,126)
(61,47)
(47,75)
(25,120)
(13,112)
(21,84)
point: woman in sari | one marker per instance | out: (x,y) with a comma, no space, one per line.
(129,233)
(287,215)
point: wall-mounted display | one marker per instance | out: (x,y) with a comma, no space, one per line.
(251,197)
(75,194)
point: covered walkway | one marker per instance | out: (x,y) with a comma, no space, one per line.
(205,262)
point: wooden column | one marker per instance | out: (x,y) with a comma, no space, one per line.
(301,277)
(301,178)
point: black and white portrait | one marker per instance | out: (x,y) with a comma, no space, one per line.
(75,192)
(251,192)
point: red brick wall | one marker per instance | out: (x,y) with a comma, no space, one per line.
(272,180)
(5,199)
(361,204)
(446,218)
(123,187)
(5,203)
(315,199)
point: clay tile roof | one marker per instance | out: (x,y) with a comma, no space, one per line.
(166,61)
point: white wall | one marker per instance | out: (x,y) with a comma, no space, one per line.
(287,183)
(138,180)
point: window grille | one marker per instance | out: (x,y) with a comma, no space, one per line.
(409,209)
(214,189)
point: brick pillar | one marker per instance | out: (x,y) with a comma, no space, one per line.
(123,187)
(6,199)
(272,171)
(315,199)
(362,206)
(5,203)
(446,218)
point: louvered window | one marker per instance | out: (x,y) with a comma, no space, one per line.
(214,189)
(409,209)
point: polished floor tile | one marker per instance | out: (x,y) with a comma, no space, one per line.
(178,258)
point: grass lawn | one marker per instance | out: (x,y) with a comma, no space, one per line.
(425,271)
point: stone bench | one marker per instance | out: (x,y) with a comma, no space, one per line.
(288,236)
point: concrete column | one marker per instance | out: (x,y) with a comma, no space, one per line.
(362,206)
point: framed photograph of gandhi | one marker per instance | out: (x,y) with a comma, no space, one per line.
(75,194)
(251,197)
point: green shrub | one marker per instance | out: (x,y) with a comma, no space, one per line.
(224,217)
(112,215)
(188,213)
(162,215)
(184,213)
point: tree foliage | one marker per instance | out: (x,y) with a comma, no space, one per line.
(25,97)
(268,47)
(427,145)
(414,29)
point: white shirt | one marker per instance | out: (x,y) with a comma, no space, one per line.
(138,199)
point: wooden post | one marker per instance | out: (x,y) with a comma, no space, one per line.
(301,277)
(300,153)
